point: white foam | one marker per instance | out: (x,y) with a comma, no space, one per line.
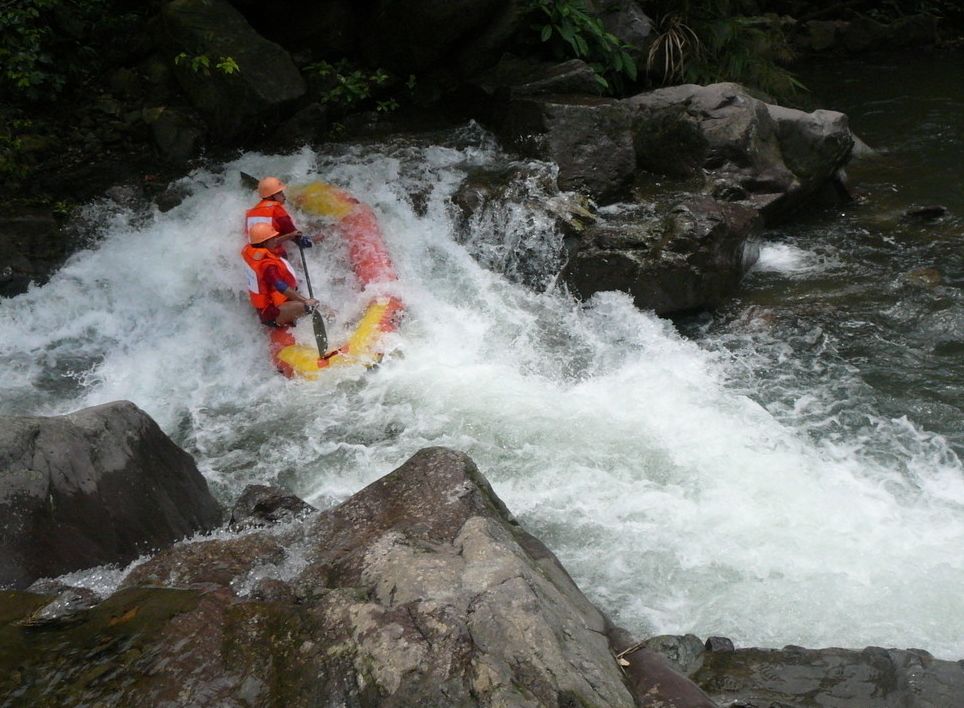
(677,502)
(785,258)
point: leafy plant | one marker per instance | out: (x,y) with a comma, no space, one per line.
(709,41)
(50,46)
(27,67)
(201,63)
(676,45)
(347,86)
(572,30)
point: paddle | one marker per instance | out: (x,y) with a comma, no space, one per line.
(321,337)
(249,181)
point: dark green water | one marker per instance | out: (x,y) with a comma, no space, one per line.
(862,303)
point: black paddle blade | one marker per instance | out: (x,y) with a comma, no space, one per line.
(249,181)
(321,336)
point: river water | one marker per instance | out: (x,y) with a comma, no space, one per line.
(785,471)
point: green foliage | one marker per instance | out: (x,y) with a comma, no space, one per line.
(201,64)
(13,167)
(570,29)
(709,41)
(346,86)
(51,46)
(27,68)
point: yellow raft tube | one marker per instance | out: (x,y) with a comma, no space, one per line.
(370,262)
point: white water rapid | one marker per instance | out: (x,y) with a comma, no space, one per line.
(678,503)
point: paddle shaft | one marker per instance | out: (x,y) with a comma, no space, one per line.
(321,336)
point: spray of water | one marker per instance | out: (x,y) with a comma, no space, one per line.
(678,501)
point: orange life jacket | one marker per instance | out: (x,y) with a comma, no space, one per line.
(260,291)
(266,211)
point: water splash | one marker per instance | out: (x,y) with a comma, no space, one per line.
(680,498)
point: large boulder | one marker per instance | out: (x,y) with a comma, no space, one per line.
(233,104)
(736,147)
(766,157)
(671,258)
(419,590)
(102,485)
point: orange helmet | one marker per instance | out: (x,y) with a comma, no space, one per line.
(269,186)
(261,232)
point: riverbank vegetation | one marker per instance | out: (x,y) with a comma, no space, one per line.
(85,81)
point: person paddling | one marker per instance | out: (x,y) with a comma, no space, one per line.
(272,284)
(271,210)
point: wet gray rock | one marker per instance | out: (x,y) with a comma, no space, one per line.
(514,77)
(171,196)
(589,138)
(31,248)
(420,589)
(232,104)
(519,243)
(626,20)
(67,606)
(305,127)
(263,505)
(835,678)
(102,485)
(671,259)
(657,683)
(178,133)
(766,157)
(926,213)
(719,644)
(736,147)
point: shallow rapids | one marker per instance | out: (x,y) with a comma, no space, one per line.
(679,498)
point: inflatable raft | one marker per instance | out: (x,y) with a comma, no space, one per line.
(372,266)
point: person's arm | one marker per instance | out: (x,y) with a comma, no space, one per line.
(272,275)
(286,228)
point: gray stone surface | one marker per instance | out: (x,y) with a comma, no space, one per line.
(263,505)
(589,138)
(670,257)
(767,157)
(102,485)
(32,246)
(832,678)
(420,590)
(232,104)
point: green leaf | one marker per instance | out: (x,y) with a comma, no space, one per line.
(546,33)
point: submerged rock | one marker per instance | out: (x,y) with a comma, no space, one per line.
(102,485)
(926,213)
(690,256)
(262,505)
(419,590)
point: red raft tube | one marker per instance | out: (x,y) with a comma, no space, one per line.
(371,264)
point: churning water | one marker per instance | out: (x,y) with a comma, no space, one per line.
(743,482)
